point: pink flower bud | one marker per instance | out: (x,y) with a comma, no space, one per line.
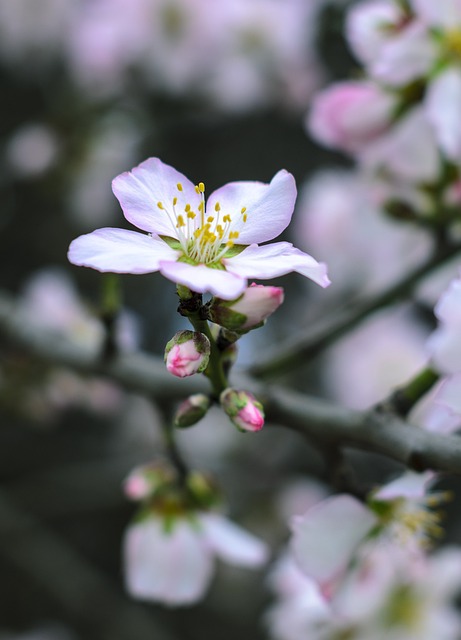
(187,353)
(249,311)
(349,115)
(243,409)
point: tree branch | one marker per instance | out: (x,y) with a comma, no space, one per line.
(324,423)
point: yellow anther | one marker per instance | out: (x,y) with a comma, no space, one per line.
(210,219)
(243,209)
(245,217)
(175,201)
(217,207)
(181,222)
(229,244)
(201,187)
(227,218)
(234,234)
(187,208)
(191,215)
(179,186)
(159,205)
(201,207)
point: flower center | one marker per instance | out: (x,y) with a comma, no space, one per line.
(452,42)
(205,237)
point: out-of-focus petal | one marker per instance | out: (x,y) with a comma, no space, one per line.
(120,251)
(232,543)
(276,259)
(171,567)
(268,207)
(410,485)
(327,535)
(204,279)
(442,14)
(449,394)
(140,190)
(443,109)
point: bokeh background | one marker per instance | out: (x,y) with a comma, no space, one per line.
(220,90)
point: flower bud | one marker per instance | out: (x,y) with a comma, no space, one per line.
(249,311)
(191,410)
(187,353)
(243,409)
(144,481)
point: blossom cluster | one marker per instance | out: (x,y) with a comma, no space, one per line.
(237,55)
(362,571)
(400,121)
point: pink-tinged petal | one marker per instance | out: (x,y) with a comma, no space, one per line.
(327,535)
(276,259)
(406,57)
(139,191)
(448,308)
(444,346)
(268,207)
(119,251)
(441,14)
(443,109)
(449,395)
(202,279)
(231,543)
(367,27)
(410,485)
(170,567)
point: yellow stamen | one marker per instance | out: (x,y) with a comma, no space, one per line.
(175,201)
(201,187)
(160,205)
(217,207)
(179,186)
(243,210)
(181,222)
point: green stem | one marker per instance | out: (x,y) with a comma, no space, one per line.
(403,399)
(214,371)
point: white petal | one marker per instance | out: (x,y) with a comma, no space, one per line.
(203,279)
(269,207)
(443,108)
(276,259)
(410,485)
(119,251)
(232,543)
(139,191)
(174,568)
(444,14)
(444,345)
(449,394)
(327,535)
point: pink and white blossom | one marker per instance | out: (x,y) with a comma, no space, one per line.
(210,248)
(249,311)
(172,561)
(350,115)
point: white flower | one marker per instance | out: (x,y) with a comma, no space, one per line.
(171,561)
(208,249)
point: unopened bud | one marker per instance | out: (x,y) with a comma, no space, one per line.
(243,409)
(144,481)
(191,410)
(187,353)
(249,311)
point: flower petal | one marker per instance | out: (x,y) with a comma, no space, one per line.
(327,535)
(171,567)
(119,251)
(232,543)
(410,485)
(202,279)
(139,191)
(443,106)
(276,259)
(268,207)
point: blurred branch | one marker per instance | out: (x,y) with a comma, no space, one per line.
(93,605)
(299,350)
(321,421)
